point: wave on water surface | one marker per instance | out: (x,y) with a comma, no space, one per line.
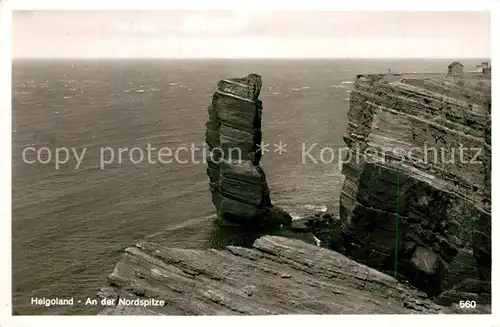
(319,208)
(301,88)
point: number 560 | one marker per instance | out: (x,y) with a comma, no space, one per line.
(467,304)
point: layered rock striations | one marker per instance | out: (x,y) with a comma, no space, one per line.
(416,194)
(402,209)
(237,181)
(276,276)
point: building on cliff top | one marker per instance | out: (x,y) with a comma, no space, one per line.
(456,69)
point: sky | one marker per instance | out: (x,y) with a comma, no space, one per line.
(250,34)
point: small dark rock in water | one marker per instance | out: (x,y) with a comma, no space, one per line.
(325,229)
(328,229)
(299,225)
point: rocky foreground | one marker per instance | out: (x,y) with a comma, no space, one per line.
(277,276)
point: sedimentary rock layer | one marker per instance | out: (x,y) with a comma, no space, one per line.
(417,185)
(277,276)
(237,182)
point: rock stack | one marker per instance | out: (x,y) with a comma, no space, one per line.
(237,182)
(415,190)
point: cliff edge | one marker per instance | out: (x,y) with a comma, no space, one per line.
(416,198)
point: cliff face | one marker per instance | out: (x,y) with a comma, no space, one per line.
(416,194)
(237,182)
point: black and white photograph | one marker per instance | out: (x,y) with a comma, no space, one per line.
(192,162)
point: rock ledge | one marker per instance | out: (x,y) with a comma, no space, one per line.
(277,276)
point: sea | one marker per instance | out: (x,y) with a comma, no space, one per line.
(74,212)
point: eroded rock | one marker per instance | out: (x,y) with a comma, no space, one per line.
(238,184)
(425,260)
(276,276)
(416,190)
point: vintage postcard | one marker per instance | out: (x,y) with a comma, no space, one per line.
(250,161)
